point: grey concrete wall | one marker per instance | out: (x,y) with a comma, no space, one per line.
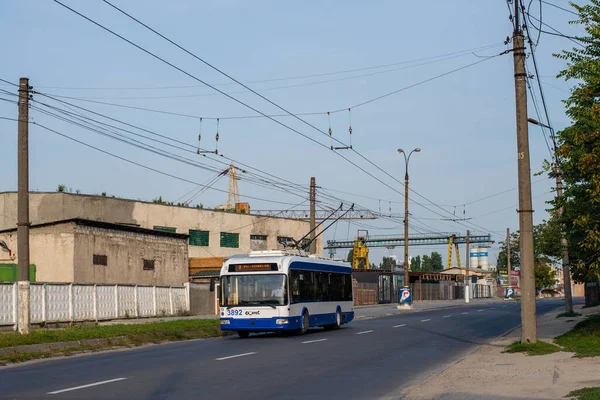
(125,253)
(47,207)
(202,300)
(51,249)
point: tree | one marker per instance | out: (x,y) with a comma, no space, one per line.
(416,264)
(350,256)
(426,264)
(436,261)
(546,251)
(579,150)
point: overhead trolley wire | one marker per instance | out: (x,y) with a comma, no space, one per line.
(229,96)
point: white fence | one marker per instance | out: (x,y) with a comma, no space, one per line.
(67,302)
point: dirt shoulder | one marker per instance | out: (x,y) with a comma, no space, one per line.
(490,374)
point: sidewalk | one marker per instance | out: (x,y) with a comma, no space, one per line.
(489,374)
(381,310)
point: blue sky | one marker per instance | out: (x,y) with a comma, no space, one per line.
(463,122)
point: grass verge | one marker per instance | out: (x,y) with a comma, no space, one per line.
(568,314)
(583,339)
(118,335)
(532,349)
(589,393)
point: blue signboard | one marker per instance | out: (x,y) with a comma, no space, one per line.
(405,296)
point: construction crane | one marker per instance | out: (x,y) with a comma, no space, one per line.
(233,195)
(360,252)
(450,242)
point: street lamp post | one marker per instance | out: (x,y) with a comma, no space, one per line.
(406,302)
(564,244)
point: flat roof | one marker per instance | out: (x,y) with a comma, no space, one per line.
(105,225)
(97,196)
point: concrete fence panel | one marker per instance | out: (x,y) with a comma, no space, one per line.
(126,301)
(58,304)
(105,302)
(163,301)
(83,303)
(64,302)
(8,303)
(145,298)
(37,296)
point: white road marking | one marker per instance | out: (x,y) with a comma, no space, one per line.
(465,313)
(314,341)
(425,320)
(446,316)
(479,310)
(87,386)
(235,356)
(398,326)
(360,333)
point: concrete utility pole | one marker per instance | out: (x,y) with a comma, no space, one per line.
(467,265)
(313,195)
(564,244)
(508,264)
(23,208)
(528,307)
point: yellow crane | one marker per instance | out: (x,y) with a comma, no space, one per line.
(450,242)
(360,253)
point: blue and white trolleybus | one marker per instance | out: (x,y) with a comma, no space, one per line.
(267,291)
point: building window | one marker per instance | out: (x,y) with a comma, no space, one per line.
(100,259)
(230,240)
(198,238)
(148,265)
(165,229)
(258,242)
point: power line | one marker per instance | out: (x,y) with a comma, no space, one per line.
(573,39)
(240,102)
(559,7)
(144,166)
(441,56)
(265,89)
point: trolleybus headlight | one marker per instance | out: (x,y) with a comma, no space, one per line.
(225,322)
(281,321)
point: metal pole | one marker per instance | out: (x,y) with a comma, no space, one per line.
(313,195)
(564,245)
(508,261)
(406,275)
(23,207)
(528,306)
(467,265)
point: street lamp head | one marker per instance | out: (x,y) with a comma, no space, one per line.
(400,151)
(418,149)
(533,121)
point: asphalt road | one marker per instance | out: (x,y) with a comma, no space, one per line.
(366,359)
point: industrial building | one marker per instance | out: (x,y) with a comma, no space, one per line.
(85,251)
(211,235)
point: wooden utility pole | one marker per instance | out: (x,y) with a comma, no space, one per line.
(467,265)
(313,195)
(528,308)
(508,264)
(23,208)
